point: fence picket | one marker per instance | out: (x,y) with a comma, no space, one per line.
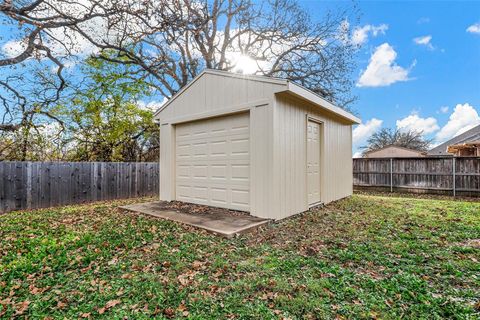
(437,174)
(31,185)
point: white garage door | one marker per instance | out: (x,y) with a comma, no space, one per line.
(213,162)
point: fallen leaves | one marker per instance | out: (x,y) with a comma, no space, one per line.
(61,305)
(110,304)
(169,312)
(113,262)
(187,278)
(343,260)
(34,290)
(21,307)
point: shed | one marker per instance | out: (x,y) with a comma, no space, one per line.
(253,143)
(393,151)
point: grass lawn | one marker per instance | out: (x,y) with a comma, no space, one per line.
(363,257)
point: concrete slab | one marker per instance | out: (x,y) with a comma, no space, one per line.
(222,224)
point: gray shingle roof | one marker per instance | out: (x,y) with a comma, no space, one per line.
(468,136)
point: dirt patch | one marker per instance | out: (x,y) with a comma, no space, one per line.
(192,208)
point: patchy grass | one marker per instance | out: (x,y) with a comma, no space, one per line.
(362,257)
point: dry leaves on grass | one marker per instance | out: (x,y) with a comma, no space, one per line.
(110,304)
(21,307)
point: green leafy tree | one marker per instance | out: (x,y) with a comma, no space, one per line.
(105,120)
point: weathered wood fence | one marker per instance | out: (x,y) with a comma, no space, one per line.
(30,185)
(446,175)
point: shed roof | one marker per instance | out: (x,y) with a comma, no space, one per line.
(396,147)
(290,88)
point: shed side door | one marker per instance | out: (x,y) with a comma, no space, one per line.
(313,162)
(213,162)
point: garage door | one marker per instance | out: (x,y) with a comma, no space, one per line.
(213,162)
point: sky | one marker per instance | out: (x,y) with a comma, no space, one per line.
(418,66)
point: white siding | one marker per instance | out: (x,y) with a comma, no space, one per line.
(218,92)
(261,124)
(290,185)
(214,94)
(278,122)
(167,162)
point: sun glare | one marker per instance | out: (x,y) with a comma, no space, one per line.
(245,64)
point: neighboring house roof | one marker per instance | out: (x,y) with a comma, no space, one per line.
(290,87)
(395,147)
(468,136)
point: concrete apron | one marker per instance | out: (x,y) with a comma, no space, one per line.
(223,224)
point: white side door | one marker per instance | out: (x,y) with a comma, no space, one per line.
(313,162)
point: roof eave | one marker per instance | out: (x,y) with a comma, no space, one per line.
(312,97)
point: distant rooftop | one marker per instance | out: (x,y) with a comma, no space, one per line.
(468,136)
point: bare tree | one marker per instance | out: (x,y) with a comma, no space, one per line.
(166,43)
(277,36)
(408,139)
(49,35)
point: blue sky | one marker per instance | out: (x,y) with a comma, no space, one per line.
(435,69)
(418,66)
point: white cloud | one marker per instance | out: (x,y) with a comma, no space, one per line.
(474,28)
(152,105)
(360,34)
(13,48)
(382,69)
(364,130)
(416,123)
(424,41)
(357,154)
(444,109)
(463,118)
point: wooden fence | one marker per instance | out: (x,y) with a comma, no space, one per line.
(446,175)
(30,185)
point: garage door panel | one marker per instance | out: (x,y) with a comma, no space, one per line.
(200,172)
(183,192)
(218,148)
(240,172)
(200,193)
(218,172)
(183,171)
(239,147)
(219,195)
(183,151)
(213,162)
(240,197)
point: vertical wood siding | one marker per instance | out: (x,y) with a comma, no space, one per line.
(261,178)
(30,185)
(167,162)
(290,122)
(278,141)
(213,92)
(216,92)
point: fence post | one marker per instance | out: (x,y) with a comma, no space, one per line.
(29,185)
(453,175)
(391,175)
